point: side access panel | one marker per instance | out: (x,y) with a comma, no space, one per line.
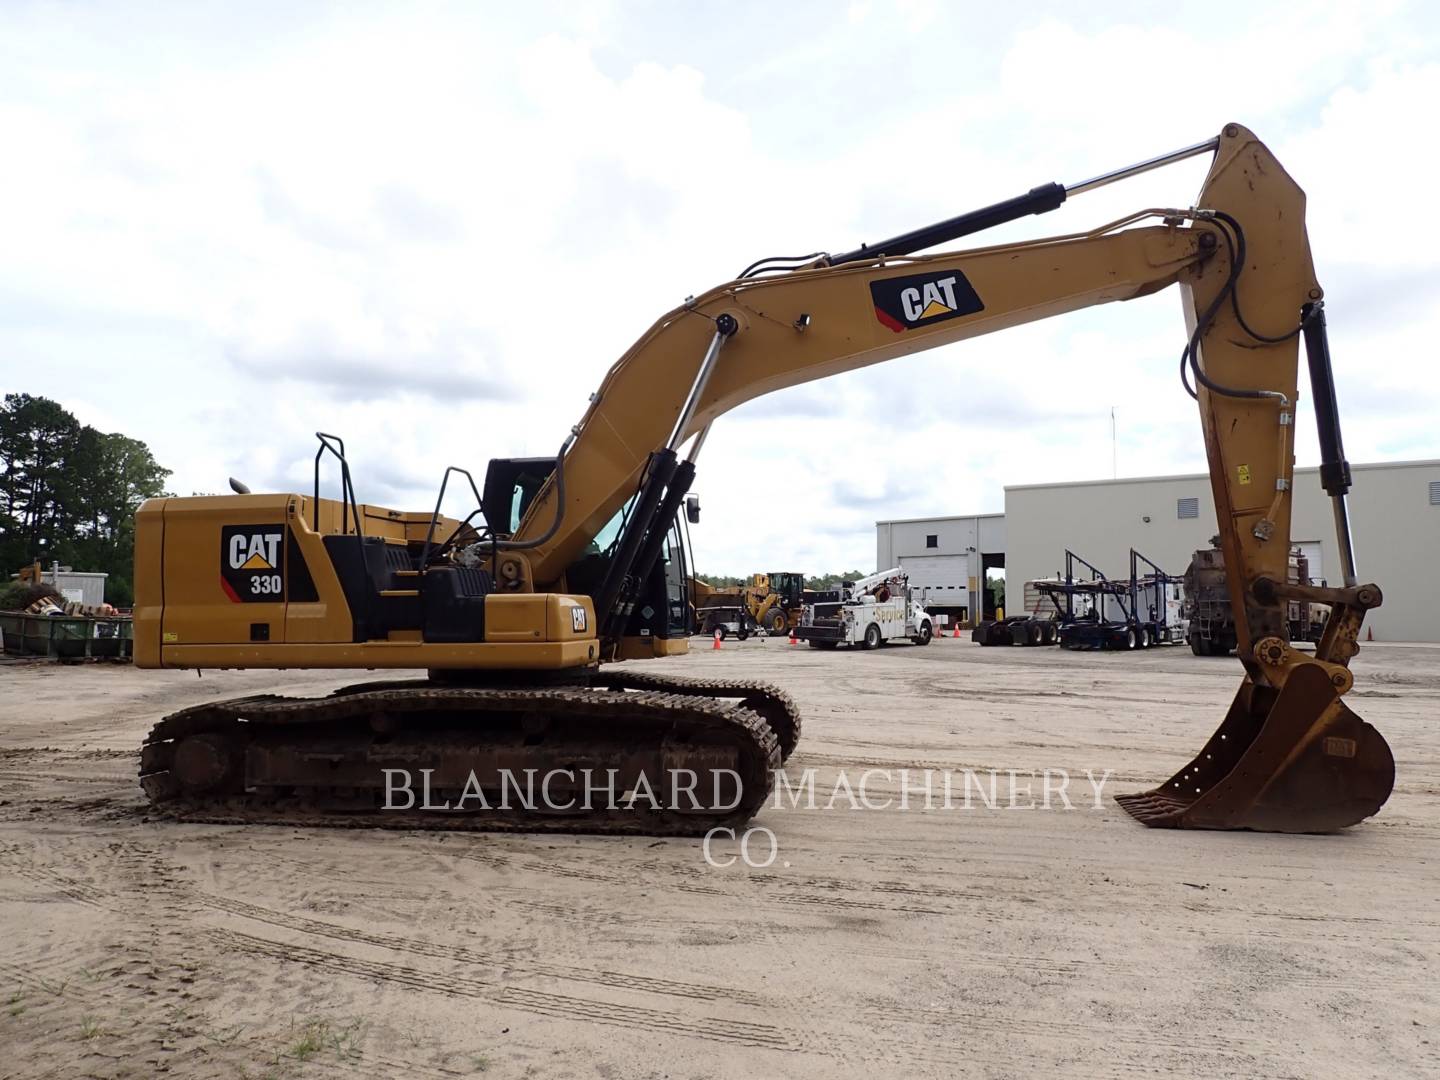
(223,570)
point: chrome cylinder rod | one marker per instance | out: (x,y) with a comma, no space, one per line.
(698,443)
(1345,542)
(1208,146)
(725,326)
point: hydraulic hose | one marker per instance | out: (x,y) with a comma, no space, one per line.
(525,545)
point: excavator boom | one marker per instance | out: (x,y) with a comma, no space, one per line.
(572,564)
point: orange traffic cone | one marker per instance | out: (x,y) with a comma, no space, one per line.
(716,643)
(1369,633)
(957,631)
(793,639)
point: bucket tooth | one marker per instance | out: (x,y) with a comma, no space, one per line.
(1296,760)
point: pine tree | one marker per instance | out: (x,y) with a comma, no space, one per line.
(69,493)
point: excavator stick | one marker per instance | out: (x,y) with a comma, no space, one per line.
(1293,760)
(1289,756)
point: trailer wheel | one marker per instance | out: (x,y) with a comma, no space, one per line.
(872,636)
(1146,638)
(926,633)
(1047,634)
(1131,639)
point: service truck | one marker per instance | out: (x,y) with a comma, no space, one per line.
(871,612)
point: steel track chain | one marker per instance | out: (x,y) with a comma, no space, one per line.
(774,704)
(746,729)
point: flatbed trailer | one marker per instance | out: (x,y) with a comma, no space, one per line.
(1120,613)
(1031,629)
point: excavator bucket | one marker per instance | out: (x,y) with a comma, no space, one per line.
(1294,760)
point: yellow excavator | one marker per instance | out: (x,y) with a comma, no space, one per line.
(571,562)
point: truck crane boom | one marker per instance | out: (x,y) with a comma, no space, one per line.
(576,556)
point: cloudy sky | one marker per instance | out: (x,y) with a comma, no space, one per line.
(431,228)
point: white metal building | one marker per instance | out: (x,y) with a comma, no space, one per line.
(78,586)
(1394,510)
(946,558)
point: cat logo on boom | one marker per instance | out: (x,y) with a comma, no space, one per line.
(916,300)
(250,563)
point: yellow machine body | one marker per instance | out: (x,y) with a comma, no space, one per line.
(238,607)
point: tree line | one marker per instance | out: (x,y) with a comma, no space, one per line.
(820,582)
(69,493)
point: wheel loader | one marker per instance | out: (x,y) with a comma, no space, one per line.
(521,611)
(771,602)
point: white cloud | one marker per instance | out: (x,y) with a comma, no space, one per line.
(433,232)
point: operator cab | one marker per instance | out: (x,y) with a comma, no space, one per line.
(662,609)
(511,484)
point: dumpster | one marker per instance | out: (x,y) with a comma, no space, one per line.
(66,637)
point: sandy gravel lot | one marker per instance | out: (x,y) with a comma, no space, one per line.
(879,943)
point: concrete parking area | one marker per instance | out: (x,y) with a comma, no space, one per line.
(882,940)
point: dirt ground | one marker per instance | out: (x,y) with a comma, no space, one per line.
(881,942)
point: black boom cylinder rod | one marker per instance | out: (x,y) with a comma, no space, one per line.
(1037,201)
(1334,469)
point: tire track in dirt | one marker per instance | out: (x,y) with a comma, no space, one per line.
(1052,1030)
(861,764)
(1049,965)
(529,863)
(963,1059)
(66,887)
(129,858)
(587,914)
(33,975)
(30,778)
(703,882)
(369,1065)
(170,895)
(180,896)
(808,901)
(815,892)
(679,927)
(503,962)
(690,880)
(717,1029)
(24,753)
